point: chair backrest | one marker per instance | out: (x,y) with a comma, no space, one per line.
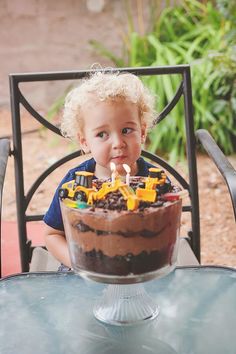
(23,199)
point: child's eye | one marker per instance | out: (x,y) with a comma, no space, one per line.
(102,135)
(127,130)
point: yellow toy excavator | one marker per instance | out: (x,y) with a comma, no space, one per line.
(117,185)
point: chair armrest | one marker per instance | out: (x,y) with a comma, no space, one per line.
(4,153)
(222,163)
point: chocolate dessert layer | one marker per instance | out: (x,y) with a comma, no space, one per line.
(120,233)
(123,265)
(122,242)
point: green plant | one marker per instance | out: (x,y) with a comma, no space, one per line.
(195,33)
(57,105)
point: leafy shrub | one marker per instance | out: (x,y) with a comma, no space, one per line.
(199,34)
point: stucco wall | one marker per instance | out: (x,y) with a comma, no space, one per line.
(45,35)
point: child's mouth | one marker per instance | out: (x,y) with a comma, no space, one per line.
(119,159)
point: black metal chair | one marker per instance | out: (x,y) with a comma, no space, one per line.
(4,152)
(23,198)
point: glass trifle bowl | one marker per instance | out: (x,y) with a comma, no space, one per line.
(116,237)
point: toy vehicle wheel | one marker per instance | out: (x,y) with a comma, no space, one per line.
(63,193)
(165,188)
(81,196)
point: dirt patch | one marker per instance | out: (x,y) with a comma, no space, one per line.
(218,228)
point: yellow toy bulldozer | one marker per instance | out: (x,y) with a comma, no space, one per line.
(155,182)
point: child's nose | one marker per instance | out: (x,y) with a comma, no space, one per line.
(118,141)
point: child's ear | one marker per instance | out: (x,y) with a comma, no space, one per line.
(143,133)
(83,144)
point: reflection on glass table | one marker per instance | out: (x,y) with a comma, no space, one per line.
(53,313)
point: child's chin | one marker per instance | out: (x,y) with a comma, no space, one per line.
(120,169)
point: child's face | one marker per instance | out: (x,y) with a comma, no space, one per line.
(112,132)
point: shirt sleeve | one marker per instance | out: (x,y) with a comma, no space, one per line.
(53,217)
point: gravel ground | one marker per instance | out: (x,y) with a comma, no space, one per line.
(218,228)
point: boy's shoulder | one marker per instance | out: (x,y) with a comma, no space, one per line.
(143,167)
(88,165)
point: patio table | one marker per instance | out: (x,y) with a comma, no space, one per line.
(53,313)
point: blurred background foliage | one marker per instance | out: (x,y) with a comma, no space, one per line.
(199,33)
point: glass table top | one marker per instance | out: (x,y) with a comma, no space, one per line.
(53,313)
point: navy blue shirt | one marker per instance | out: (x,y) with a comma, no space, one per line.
(53,217)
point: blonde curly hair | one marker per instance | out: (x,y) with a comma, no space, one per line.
(104,86)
